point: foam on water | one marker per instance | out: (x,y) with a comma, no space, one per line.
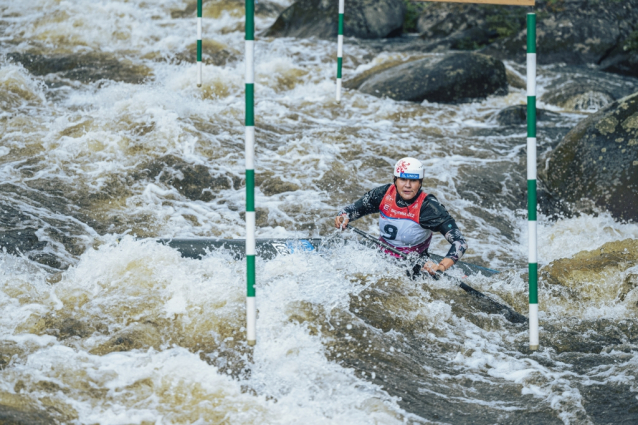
(121,330)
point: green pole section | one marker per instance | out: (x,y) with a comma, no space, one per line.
(340,49)
(199,43)
(251,309)
(531,181)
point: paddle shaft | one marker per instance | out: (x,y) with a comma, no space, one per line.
(510,314)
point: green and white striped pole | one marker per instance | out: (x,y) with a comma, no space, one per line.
(199,43)
(340,49)
(531,180)
(251,309)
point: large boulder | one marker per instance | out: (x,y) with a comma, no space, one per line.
(597,161)
(320,18)
(455,78)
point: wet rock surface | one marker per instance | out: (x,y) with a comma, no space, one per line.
(517,115)
(22,233)
(213,53)
(193,181)
(8,350)
(455,78)
(598,161)
(12,416)
(591,91)
(591,268)
(17,408)
(356,81)
(137,336)
(319,18)
(621,61)
(84,67)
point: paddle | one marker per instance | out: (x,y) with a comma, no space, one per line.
(509,314)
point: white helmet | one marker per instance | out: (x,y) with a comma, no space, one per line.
(408,168)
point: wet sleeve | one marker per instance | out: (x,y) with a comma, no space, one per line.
(369,204)
(435,217)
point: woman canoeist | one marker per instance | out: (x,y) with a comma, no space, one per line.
(408,216)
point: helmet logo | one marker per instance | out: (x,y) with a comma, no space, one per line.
(402,167)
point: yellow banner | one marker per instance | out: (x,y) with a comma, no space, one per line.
(508,2)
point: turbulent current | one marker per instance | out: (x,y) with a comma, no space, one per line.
(107,142)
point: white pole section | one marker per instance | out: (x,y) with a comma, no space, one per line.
(251,309)
(340,49)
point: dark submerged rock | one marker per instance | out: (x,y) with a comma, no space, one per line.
(622,61)
(517,115)
(213,53)
(137,336)
(578,97)
(10,415)
(84,67)
(274,186)
(456,78)
(597,161)
(193,181)
(587,90)
(320,18)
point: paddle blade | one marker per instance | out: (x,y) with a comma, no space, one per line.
(495,307)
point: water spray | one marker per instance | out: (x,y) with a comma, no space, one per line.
(510,314)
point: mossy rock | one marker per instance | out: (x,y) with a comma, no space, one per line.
(595,275)
(598,161)
(275,185)
(84,67)
(137,336)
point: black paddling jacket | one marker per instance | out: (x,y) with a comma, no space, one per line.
(433,217)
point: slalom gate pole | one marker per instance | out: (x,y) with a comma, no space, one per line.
(510,314)
(251,309)
(340,49)
(199,43)
(531,180)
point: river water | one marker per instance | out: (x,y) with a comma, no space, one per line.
(105,137)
